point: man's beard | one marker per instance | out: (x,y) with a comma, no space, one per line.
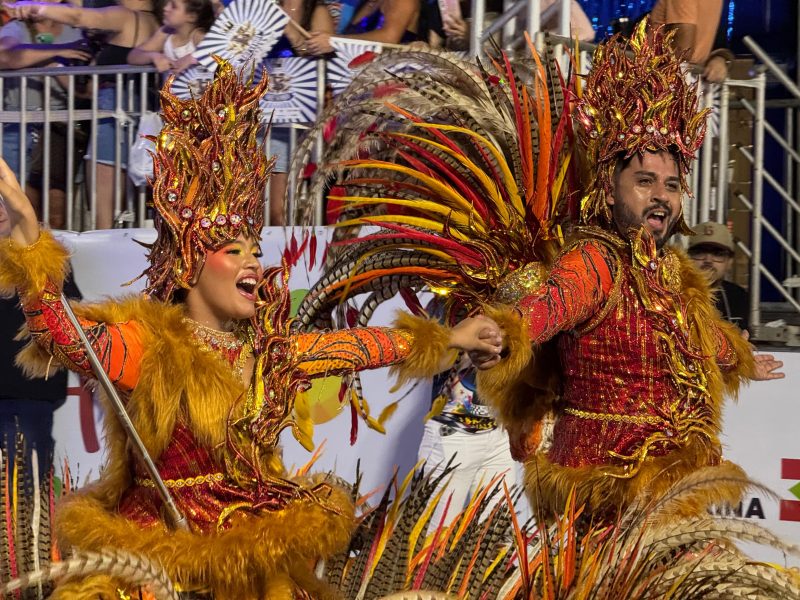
(628,222)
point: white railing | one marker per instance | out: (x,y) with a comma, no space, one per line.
(136,91)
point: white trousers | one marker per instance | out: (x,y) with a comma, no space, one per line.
(478,458)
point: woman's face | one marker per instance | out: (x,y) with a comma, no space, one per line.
(225,288)
(175,14)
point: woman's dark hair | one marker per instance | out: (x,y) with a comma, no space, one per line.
(203,10)
(158,9)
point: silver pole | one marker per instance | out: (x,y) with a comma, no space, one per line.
(476,29)
(119,408)
(706,156)
(770,64)
(563,18)
(46,132)
(93,161)
(534,20)
(116,210)
(724,153)
(758,205)
(789,185)
(69,193)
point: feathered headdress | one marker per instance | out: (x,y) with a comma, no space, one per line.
(209,177)
(463,166)
(636,99)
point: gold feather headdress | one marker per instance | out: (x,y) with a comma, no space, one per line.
(209,177)
(636,99)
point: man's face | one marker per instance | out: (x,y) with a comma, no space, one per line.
(647,191)
(5,222)
(712,260)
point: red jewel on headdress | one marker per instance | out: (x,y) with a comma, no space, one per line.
(205,222)
(186,213)
(221,220)
(220,110)
(637,129)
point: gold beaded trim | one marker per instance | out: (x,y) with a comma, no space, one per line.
(188,482)
(617,418)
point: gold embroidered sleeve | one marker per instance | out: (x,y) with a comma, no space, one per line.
(350,350)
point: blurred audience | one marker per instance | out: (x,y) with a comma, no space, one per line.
(128,24)
(457,30)
(384,21)
(41,42)
(171,48)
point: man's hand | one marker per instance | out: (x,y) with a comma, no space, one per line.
(480,337)
(766,368)
(716,69)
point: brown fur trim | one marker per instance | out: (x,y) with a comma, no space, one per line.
(242,562)
(28,268)
(94,587)
(549,485)
(706,327)
(430,348)
(521,388)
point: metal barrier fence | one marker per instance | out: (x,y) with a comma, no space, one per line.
(59,111)
(67,131)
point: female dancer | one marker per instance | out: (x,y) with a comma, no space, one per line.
(206,385)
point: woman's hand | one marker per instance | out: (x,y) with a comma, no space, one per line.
(318,44)
(24,225)
(481,338)
(183,63)
(161,62)
(25,11)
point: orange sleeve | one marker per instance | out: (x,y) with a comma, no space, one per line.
(118,345)
(577,287)
(350,350)
(673,12)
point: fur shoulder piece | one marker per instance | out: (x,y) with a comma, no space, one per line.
(27,269)
(708,329)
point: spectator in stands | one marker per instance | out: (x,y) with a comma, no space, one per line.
(38,43)
(129,23)
(384,21)
(712,251)
(171,48)
(26,405)
(306,15)
(457,30)
(696,25)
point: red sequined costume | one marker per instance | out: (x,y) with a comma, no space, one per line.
(644,363)
(247,537)
(254,532)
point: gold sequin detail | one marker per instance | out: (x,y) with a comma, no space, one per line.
(187,482)
(617,418)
